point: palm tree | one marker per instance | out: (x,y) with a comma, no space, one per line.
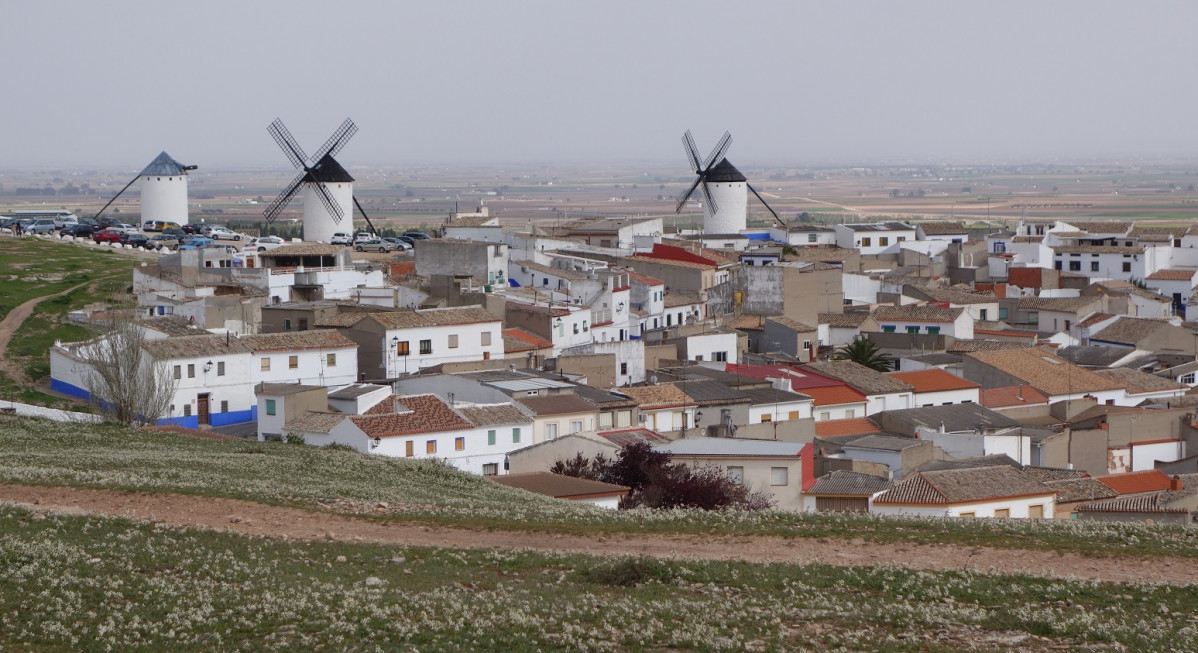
(862,350)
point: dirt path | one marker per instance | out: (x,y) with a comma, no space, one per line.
(271,521)
(13,321)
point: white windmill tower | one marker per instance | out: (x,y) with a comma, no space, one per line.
(725,206)
(163,190)
(328,187)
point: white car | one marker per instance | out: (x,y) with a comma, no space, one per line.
(264,243)
(363,237)
(341,238)
(64,221)
(221,233)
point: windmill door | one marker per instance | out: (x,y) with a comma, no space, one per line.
(202,408)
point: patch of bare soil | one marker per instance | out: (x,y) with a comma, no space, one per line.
(271,521)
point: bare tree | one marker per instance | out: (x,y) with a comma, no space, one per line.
(128,384)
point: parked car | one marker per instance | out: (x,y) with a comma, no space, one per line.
(107,235)
(411,242)
(108,221)
(363,236)
(198,242)
(39,226)
(176,232)
(163,241)
(264,243)
(133,239)
(399,244)
(221,233)
(92,222)
(64,221)
(78,230)
(341,238)
(375,245)
(190,228)
(417,235)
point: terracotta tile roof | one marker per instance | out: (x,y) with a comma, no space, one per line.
(845,483)
(416,414)
(1051,375)
(315,422)
(1140,382)
(968,485)
(346,319)
(694,265)
(196,346)
(916,313)
(493,415)
(1066,304)
(559,486)
(171,325)
(1080,489)
(852,426)
(793,325)
(748,323)
(433,317)
(563,404)
(1094,318)
(298,341)
(646,279)
(834,395)
(861,378)
(940,228)
(1129,330)
(934,380)
(959,297)
(621,437)
(673,299)
(652,397)
(1148,232)
(1099,227)
(964,345)
(850,320)
(1172,274)
(517,339)
(1152,480)
(1160,502)
(1011,396)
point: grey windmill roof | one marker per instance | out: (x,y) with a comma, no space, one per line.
(163,164)
(724,171)
(328,171)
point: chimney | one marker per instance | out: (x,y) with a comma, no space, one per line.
(1019,395)
(1175,483)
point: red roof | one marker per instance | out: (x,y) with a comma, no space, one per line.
(853,426)
(1009,396)
(646,279)
(834,395)
(1152,480)
(535,341)
(934,380)
(426,414)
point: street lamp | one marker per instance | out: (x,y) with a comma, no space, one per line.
(392,353)
(208,366)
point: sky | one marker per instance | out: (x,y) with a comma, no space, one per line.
(452,82)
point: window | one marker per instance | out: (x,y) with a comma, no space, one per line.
(491,438)
(624,369)
(491,469)
(330,360)
(883,241)
(453,341)
(865,242)
(292,362)
(1126,266)
(912,329)
(850,413)
(486,342)
(811,238)
(794,414)
(576,426)
(766,418)
(409,448)
(825,416)
(806,344)
(624,419)
(459,444)
(966,515)
(224,406)
(430,447)
(1187,379)
(1035,512)
(266,364)
(605,420)
(550,431)
(178,372)
(1002,513)
(286,325)
(576,328)
(1056,265)
(191,370)
(720,356)
(1093,266)
(426,346)
(984,313)
(303,324)
(270,406)
(933,331)
(1075,266)
(516,435)
(779,476)
(900,239)
(1002,313)
(584,326)
(220,368)
(737,474)
(888,328)
(401,348)
(187,410)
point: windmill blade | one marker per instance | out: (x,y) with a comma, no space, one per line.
(710,200)
(284,197)
(718,153)
(337,141)
(767,205)
(363,212)
(688,194)
(326,199)
(692,152)
(97,215)
(287,143)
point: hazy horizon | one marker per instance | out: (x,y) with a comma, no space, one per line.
(542,83)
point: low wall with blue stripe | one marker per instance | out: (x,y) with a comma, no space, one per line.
(188,422)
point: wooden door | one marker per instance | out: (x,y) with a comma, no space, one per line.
(202,408)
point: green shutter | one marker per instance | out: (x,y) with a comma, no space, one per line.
(491,437)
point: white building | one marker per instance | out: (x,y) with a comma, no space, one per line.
(164,190)
(928,320)
(418,339)
(981,492)
(874,238)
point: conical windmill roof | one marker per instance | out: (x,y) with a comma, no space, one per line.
(163,164)
(724,171)
(328,171)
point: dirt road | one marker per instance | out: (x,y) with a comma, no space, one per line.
(271,521)
(13,321)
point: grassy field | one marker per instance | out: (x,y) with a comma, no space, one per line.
(37,452)
(87,583)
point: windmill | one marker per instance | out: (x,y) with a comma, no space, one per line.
(328,187)
(163,190)
(725,200)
